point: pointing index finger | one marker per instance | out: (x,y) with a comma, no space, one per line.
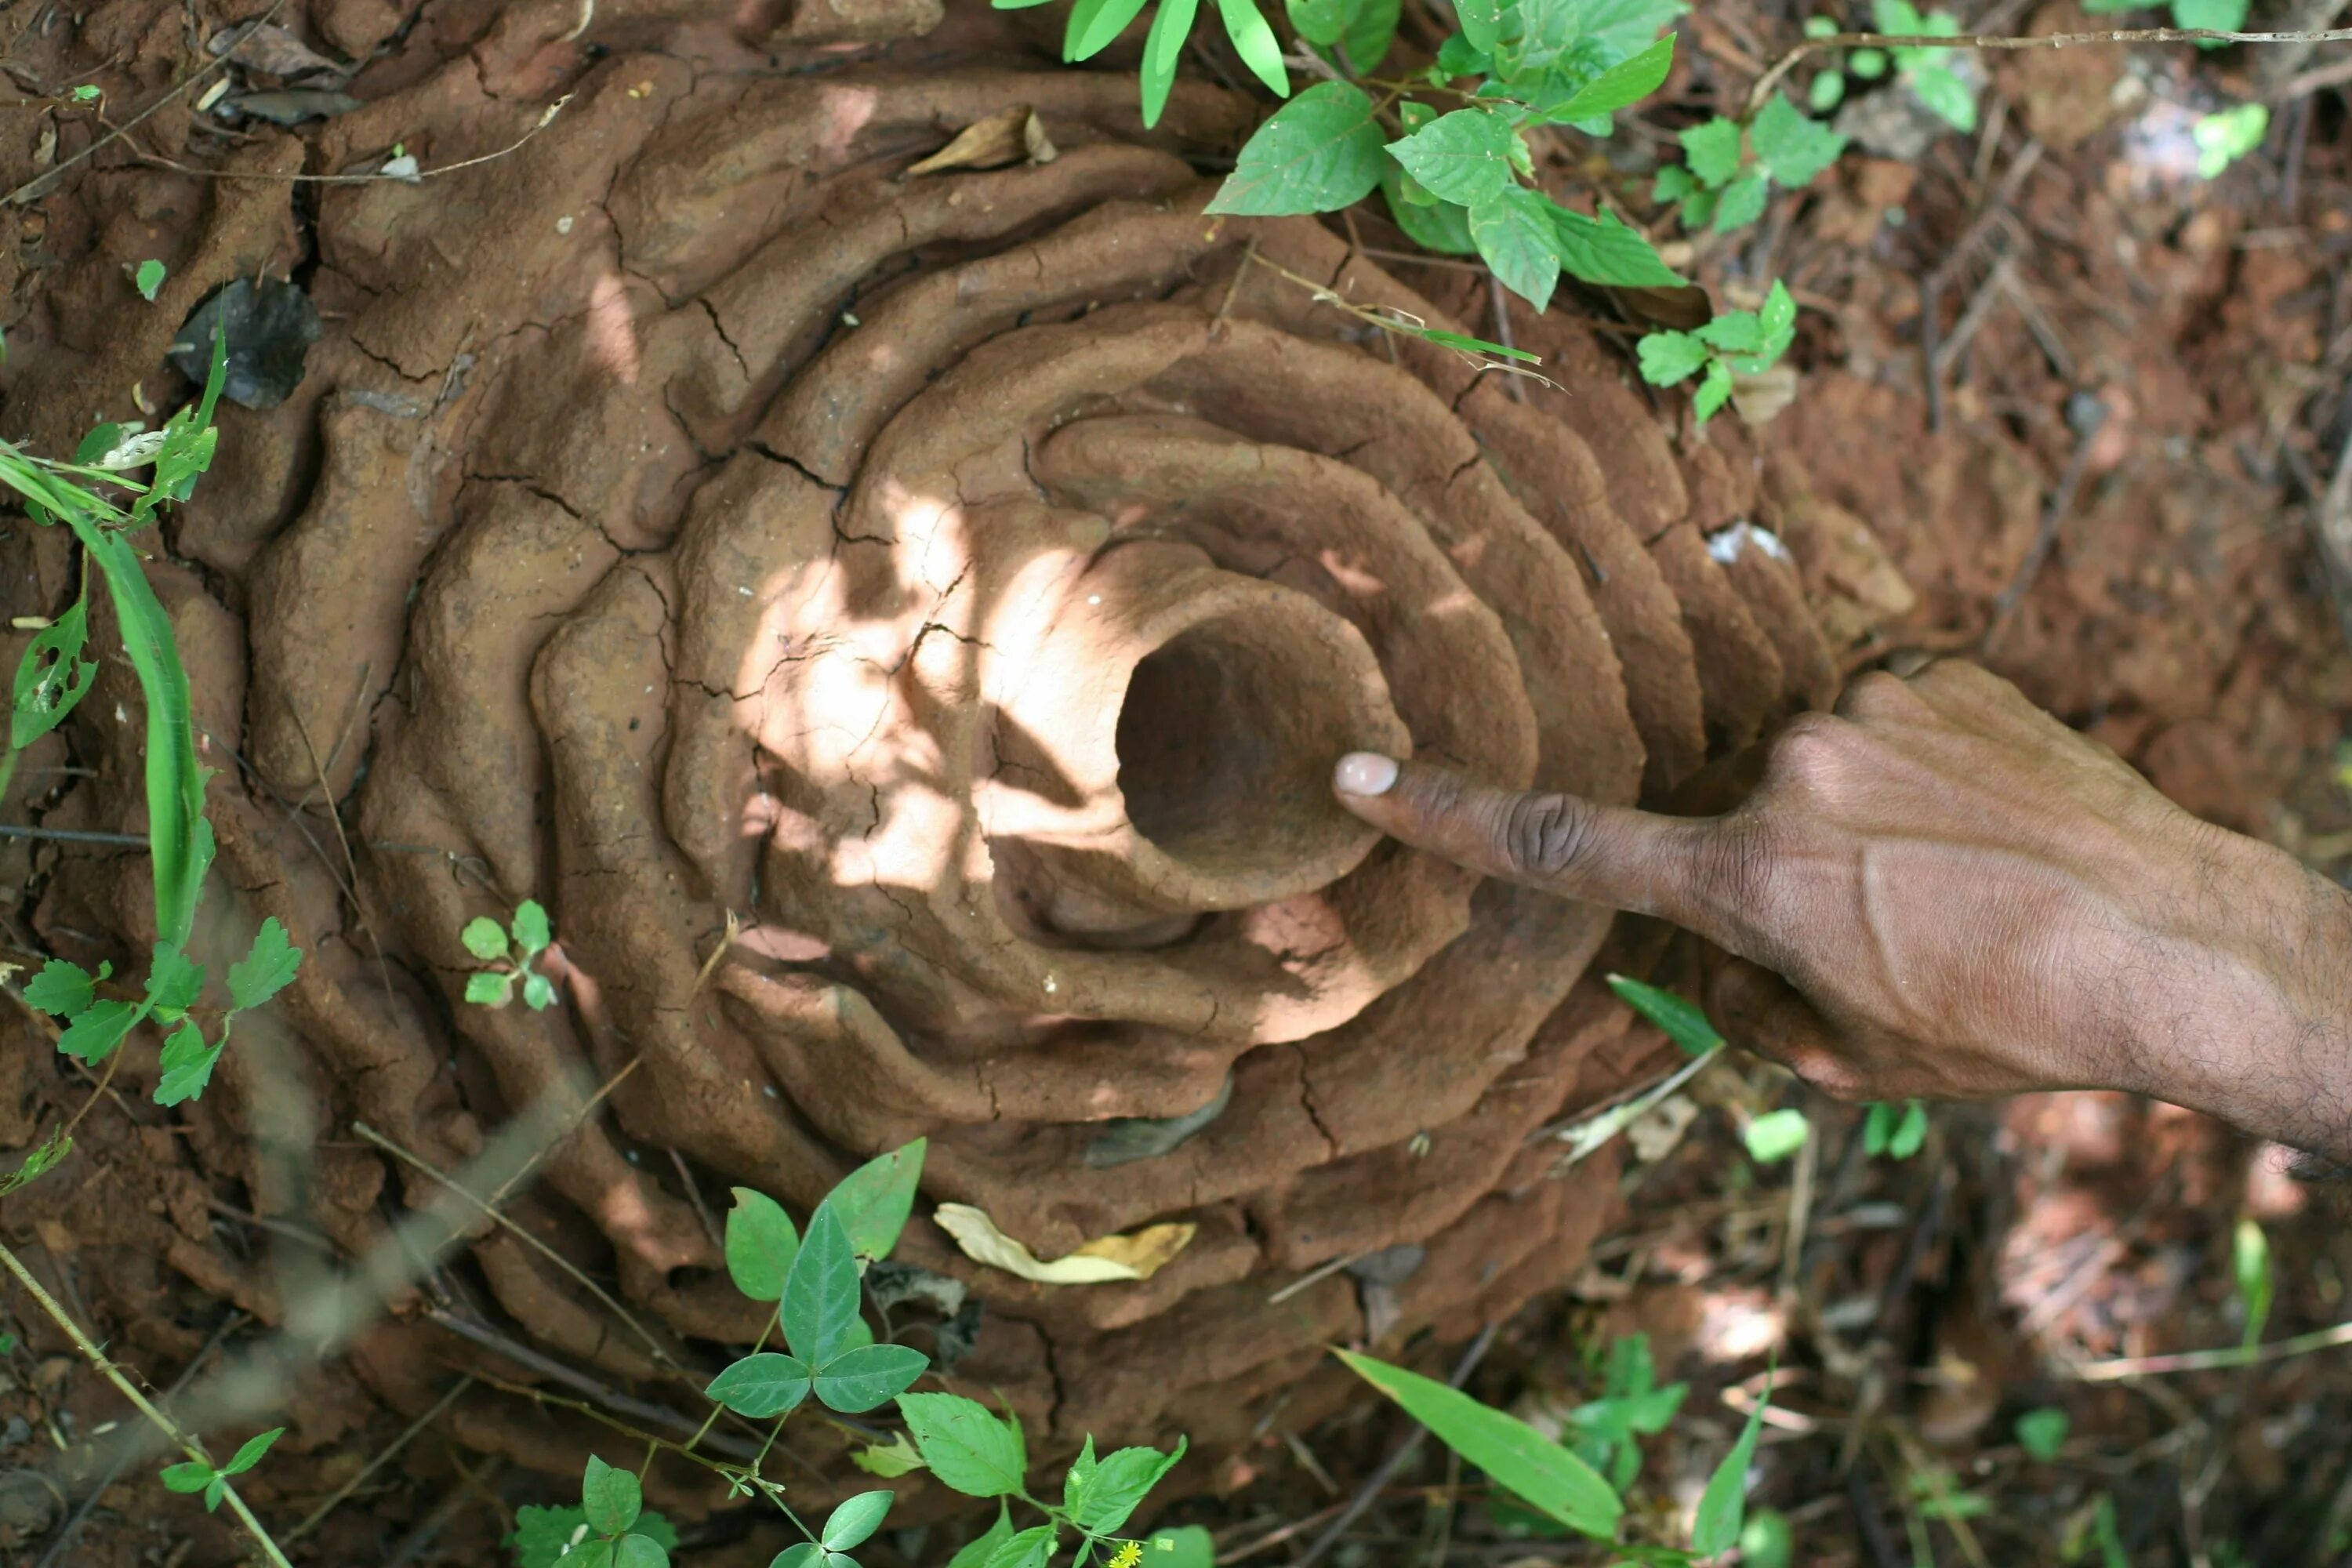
(1562,843)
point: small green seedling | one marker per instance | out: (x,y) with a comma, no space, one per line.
(1776,1135)
(2222,139)
(1829,88)
(2250,1261)
(1894,1131)
(552,1537)
(1929,72)
(1727,175)
(148,278)
(87,92)
(1632,1406)
(2042,1433)
(1736,343)
(486,940)
(196,1476)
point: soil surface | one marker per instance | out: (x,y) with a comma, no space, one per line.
(897,622)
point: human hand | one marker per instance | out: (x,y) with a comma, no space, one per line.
(1939,891)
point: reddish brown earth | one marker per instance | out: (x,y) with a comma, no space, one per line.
(955,585)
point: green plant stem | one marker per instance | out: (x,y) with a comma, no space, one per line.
(2214,1360)
(161,1422)
(1762,92)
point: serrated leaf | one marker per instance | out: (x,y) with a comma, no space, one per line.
(854,1519)
(1621,85)
(1724,1502)
(1515,1455)
(1111,1491)
(1683,1022)
(187,1065)
(760,1244)
(1713,150)
(543,1535)
(1603,250)
(1319,152)
(1793,145)
(1030,1548)
(1162,47)
(1255,42)
(267,968)
(249,1453)
(868,1375)
(51,677)
(1462,157)
(532,932)
(1776,1135)
(61,989)
(175,981)
(1734,332)
(966,1447)
(97,1029)
(820,1297)
(1715,390)
(763,1385)
(976,1551)
(489,988)
(1951,99)
(1742,201)
(610,1497)
(484,938)
(1514,232)
(875,1200)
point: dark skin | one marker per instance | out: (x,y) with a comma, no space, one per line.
(1941,892)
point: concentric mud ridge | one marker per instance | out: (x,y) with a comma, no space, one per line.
(957,585)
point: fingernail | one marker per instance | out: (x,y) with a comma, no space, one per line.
(1364,773)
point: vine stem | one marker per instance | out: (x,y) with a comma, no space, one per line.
(1762,92)
(161,1422)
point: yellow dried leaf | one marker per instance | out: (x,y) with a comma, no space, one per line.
(1113,1258)
(1009,136)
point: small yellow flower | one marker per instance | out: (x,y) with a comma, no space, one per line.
(1129,1555)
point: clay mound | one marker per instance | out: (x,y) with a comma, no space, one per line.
(957,585)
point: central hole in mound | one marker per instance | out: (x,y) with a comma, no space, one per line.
(1220,747)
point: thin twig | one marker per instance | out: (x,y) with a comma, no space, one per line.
(41,183)
(161,1422)
(2211,1360)
(73,836)
(546,117)
(1762,92)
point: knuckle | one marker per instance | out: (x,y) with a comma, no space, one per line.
(1877,695)
(1811,752)
(1546,835)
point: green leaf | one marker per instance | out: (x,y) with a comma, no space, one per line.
(1900,17)
(1827,92)
(1370,30)
(1867,64)
(1724,1503)
(101,440)
(611,1497)
(1461,157)
(1466,345)
(1778,320)
(175,981)
(1259,50)
(981,1547)
(61,989)
(1459,56)
(895,1457)
(875,1200)
(39,1162)
(635,1551)
(1094,24)
(490,989)
(187,1063)
(1514,232)
(1031,1547)
(760,1386)
(2042,1433)
(538,991)
(854,1519)
(1793,145)
(1742,201)
(968,1448)
(761,1244)
(1433,225)
(532,932)
(188,1476)
(1713,150)
(820,1300)
(1734,332)
(1603,250)
(249,1455)
(267,968)
(149,278)
(1776,1135)
(1951,99)
(868,1375)
(2213,16)
(1909,1134)
(1320,22)
(543,1535)
(1682,1021)
(97,1029)
(1621,85)
(1515,1455)
(215,1489)
(1673,184)
(1319,152)
(484,938)
(2250,1261)
(1482,23)
(1162,47)
(1100,1500)
(1766,1541)
(51,677)
(1715,390)
(1186,1546)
